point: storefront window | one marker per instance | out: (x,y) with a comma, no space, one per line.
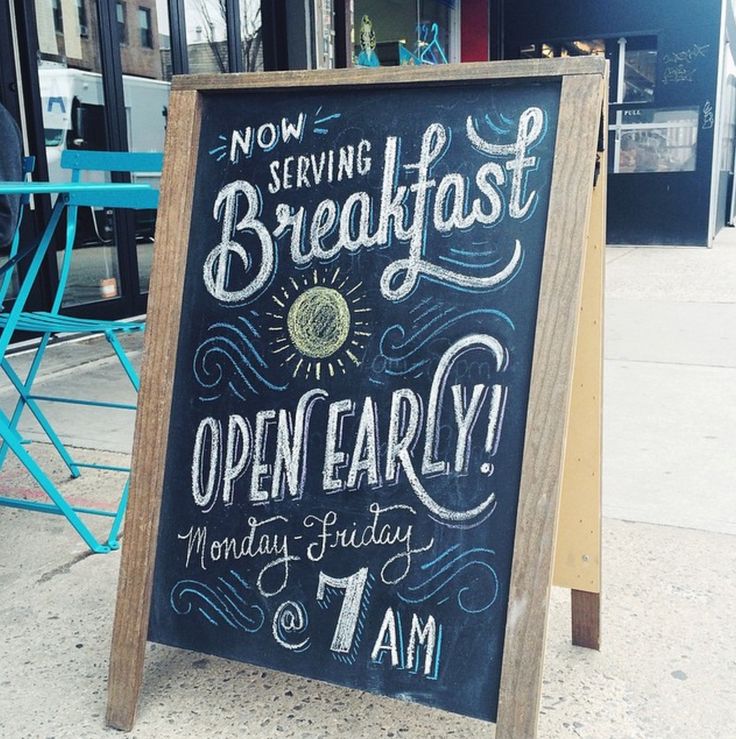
(591,47)
(206,36)
(73,105)
(633,62)
(655,140)
(251,36)
(544,50)
(392,32)
(146,74)
(639,69)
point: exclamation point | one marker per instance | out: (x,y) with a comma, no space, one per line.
(495,421)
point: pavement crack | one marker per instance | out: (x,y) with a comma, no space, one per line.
(670,363)
(62,569)
(73,368)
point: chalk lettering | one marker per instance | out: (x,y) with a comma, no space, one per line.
(403,211)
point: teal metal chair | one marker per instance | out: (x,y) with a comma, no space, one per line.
(50,323)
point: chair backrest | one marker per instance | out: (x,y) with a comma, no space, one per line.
(79,161)
(112,161)
(133,162)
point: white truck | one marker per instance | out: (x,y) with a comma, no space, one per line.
(73,114)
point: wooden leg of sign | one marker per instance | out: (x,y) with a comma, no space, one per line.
(586,619)
(578,548)
(130,628)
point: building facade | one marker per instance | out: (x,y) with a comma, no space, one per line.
(671,107)
(95,74)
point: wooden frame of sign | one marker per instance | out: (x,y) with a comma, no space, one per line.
(582,91)
(578,547)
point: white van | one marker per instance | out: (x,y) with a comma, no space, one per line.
(73,114)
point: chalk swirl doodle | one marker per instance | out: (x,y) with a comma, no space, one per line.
(402,351)
(227,360)
(222,605)
(468,576)
(498,123)
(291,619)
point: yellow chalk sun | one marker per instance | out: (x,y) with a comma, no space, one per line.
(319,322)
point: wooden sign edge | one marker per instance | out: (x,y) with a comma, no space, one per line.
(578,550)
(167,279)
(408,75)
(150,442)
(548,409)
(577,554)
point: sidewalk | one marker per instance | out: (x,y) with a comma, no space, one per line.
(667,667)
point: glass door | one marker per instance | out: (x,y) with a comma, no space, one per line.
(73,105)
(145,55)
(97,74)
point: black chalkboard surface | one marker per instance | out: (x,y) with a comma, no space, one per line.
(351,387)
(358,362)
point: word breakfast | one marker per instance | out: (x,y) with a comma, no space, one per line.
(404,211)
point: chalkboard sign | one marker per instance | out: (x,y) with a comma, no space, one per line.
(370,362)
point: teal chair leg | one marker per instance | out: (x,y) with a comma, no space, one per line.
(24,389)
(112,539)
(33,267)
(14,442)
(10,439)
(124,361)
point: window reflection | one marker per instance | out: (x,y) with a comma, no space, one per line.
(206,36)
(251,36)
(82,17)
(144,23)
(390,32)
(73,105)
(146,65)
(324,34)
(147,33)
(120,12)
(70,80)
(58,18)
(728,129)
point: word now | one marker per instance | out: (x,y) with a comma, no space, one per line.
(266,136)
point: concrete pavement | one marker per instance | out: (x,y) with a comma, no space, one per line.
(667,667)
